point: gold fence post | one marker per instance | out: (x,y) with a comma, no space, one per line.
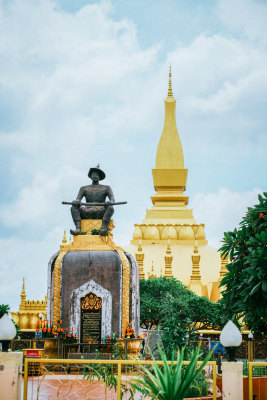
(250,384)
(25,380)
(214,377)
(119,381)
(250,351)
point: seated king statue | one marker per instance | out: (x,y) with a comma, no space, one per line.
(94,193)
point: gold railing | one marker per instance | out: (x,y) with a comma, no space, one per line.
(250,376)
(118,363)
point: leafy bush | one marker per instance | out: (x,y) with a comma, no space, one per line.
(199,386)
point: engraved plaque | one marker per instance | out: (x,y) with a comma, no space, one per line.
(91,325)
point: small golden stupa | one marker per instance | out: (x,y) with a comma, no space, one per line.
(28,315)
(169,234)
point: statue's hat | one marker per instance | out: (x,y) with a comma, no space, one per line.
(101,173)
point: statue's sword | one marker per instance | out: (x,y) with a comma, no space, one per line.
(117,203)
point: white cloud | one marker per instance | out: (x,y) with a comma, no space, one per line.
(218,72)
(245,16)
(222,211)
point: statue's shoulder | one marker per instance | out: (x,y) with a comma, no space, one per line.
(84,187)
(106,187)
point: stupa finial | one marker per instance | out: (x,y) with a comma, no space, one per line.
(23,287)
(196,246)
(170,82)
(22,297)
(64,240)
(140,244)
(168,250)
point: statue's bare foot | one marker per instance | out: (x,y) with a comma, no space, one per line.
(76,232)
(103,231)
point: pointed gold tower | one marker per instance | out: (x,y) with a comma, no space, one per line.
(169,214)
(22,306)
(169,176)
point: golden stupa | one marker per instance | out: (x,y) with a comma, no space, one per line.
(169,238)
(29,310)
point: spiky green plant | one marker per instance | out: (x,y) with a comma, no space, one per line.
(170,382)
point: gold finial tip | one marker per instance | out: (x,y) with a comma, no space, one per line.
(140,244)
(23,287)
(170,83)
(64,240)
(196,245)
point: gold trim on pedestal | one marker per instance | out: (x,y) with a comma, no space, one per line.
(57,282)
(125,289)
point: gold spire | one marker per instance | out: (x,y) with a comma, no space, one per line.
(195,246)
(64,240)
(140,259)
(140,244)
(169,176)
(23,287)
(170,83)
(170,152)
(195,261)
(152,268)
(152,275)
(168,260)
(23,297)
(168,251)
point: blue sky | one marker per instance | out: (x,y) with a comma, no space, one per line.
(83,82)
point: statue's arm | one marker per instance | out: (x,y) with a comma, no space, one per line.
(80,194)
(110,194)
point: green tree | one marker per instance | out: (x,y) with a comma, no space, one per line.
(245,285)
(179,312)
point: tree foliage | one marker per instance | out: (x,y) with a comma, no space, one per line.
(178,311)
(4,309)
(245,285)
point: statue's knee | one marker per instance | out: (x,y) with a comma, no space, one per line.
(73,209)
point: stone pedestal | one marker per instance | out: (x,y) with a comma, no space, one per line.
(10,375)
(92,267)
(232,380)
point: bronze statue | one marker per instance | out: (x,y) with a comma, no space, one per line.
(96,206)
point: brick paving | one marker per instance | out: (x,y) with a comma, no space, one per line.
(69,388)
